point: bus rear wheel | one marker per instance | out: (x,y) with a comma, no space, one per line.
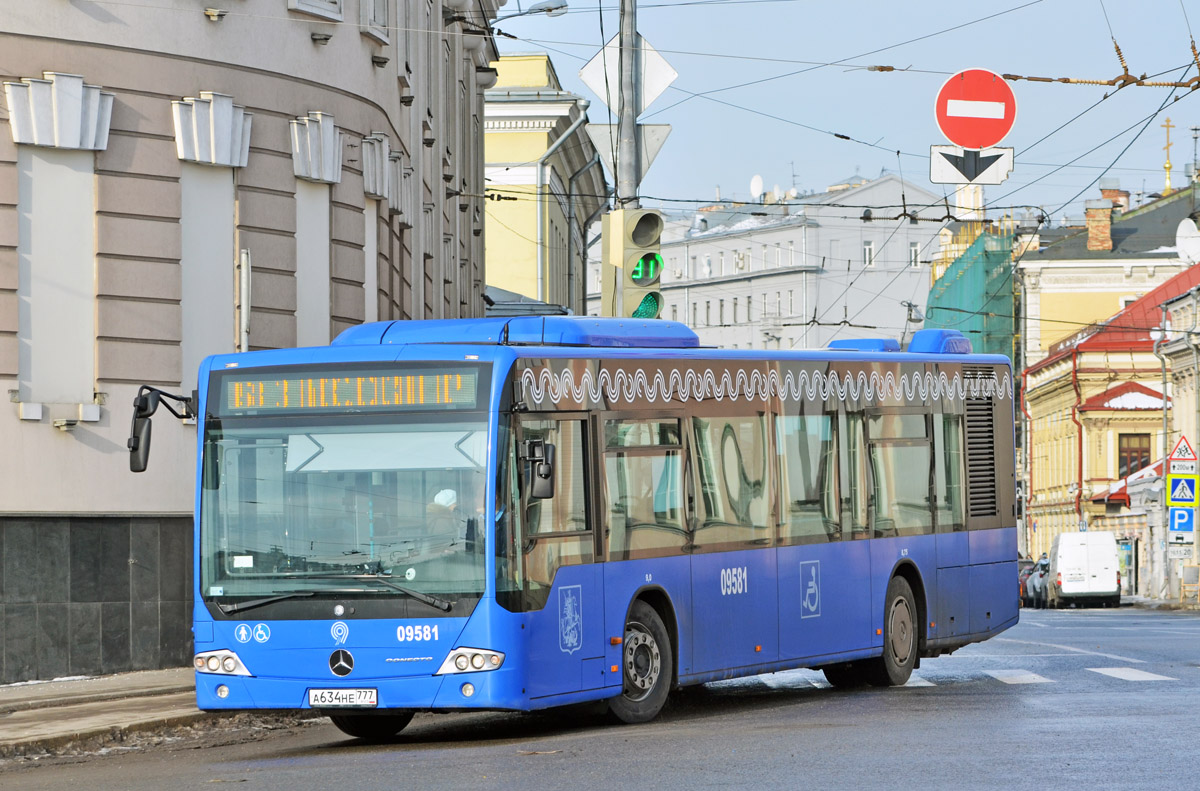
(648,664)
(373,727)
(899,637)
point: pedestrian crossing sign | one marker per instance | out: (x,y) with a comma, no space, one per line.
(1181,489)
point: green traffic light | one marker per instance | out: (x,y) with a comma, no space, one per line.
(650,307)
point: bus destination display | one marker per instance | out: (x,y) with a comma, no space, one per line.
(371,390)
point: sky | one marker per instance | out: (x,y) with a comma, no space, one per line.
(778,78)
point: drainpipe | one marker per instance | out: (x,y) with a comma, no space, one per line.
(595,160)
(1078,436)
(582,104)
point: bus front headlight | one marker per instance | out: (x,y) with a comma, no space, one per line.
(471,660)
(220,663)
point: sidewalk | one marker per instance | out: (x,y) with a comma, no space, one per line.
(43,716)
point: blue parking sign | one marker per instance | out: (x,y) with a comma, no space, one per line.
(1183,520)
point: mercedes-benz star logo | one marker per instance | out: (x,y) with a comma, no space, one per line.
(341,662)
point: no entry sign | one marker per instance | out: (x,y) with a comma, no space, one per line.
(975,109)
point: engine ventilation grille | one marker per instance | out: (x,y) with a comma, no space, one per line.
(981,444)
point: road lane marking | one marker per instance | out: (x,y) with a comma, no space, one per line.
(1130,674)
(1018,677)
(1069,648)
(917,681)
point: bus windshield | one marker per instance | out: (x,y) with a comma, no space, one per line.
(301,506)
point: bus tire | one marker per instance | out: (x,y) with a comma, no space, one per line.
(372,727)
(647,666)
(899,637)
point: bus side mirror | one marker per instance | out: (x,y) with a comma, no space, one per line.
(139,444)
(540,455)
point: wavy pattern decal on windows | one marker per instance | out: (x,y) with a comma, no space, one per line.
(698,385)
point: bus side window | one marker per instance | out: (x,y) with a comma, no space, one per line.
(901,461)
(733,480)
(643,492)
(949,472)
(556,528)
(853,461)
(807,458)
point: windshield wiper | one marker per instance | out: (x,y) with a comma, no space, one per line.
(433,601)
(249,605)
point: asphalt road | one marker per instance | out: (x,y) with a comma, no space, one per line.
(1090,699)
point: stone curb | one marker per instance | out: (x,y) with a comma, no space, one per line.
(97,697)
(98,737)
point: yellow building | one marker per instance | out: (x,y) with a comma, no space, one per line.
(544,182)
(1090,301)
(1094,406)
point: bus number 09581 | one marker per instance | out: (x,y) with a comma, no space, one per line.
(734,581)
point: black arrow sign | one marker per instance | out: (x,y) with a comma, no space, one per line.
(970,164)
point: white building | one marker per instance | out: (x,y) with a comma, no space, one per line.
(146,151)
(800,271)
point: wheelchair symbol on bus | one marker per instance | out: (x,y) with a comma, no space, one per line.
(810,579)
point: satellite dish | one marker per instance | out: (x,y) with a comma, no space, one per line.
(775,193)
(793,193)
(756,187)
(1187,240)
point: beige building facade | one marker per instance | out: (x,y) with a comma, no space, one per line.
(178,181)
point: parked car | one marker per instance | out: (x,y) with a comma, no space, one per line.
(1084,570)
(1024,569)
(1036,584)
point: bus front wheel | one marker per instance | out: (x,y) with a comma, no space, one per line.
(648,663)
(899,637)
(373,727)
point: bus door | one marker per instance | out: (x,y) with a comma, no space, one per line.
(953,556)
(735,594)
(564,591)
(823,557)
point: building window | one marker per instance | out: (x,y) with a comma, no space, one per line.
(326,9)
(721,263)
(778,255)
(707,266)
(694,314)
(721,312)
(914,254)
(791,302)
(749,307)
(373,18)
(674,313)
(764,256)
(868,253)
(1133,453)
(694,270)
(735,318)
(707,313)
(791,253)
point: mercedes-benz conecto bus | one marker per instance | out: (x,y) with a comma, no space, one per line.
(522,513)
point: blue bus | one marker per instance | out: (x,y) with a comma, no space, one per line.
(514,514)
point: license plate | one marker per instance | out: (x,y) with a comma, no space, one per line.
(337,698)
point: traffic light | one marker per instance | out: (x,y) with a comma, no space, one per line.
(632,264)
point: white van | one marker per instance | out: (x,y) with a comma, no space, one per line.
(1083,569)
